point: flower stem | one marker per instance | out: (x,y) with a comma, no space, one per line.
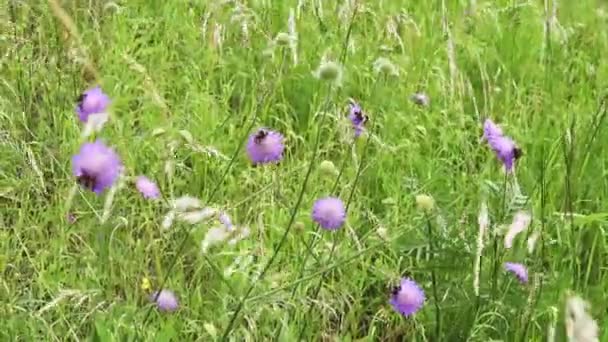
(429,227)
(496,254)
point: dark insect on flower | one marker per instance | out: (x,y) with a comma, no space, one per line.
(96,167)
(408,298)
(395,290)
(357,118)
(262,133)
(361,117)
(265,146)
(86,181)
(92,101)
(517,153)
(504,147)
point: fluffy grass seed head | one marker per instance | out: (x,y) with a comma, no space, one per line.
(518,270)
(329,213)
(329,71)
(265,146)
(96,166)
(327,167)
(284,39)
(147,187)
(580,326)
(407,298)
(383,65)
(425,202)
(521,221)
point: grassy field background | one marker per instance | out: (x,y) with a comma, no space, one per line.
(190,80)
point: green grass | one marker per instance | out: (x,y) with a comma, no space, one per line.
(176,90)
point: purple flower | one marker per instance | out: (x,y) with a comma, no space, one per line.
(265,146)
(92,101)
(357,118)
(407,298)
(225,220)
(519,270)
(71,218)
(96,166)
(147,188)
(329,212)
(166,301)
(505,148)
(421,99)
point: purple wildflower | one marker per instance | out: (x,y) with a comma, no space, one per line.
(329,212)
(92,101)
(166,301)
(421,99)
(96,166)
(357,118)
(265,146)
(225,220)
(71,218)
(519,270)
(505,148)
(407,298)
(147,188)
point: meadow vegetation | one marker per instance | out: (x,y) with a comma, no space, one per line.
(428,170)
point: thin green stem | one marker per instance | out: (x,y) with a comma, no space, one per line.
(429,227)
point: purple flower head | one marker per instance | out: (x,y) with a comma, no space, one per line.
(505,148)
(71,218)
(92,101)
(519,270)
(166,301)
(265,146)
(147,188)
(96,166)
(421,99)
(226,221)
(357,118)
(407,298)
(329,213)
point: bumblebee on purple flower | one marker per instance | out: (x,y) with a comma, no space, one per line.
(265,146)
(504,147)
(357,118)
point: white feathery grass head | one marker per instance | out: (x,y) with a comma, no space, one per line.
(521,221)
(197,216)
(220,234)
(532,241)
(484,222)
(580,326)
(168,220)
(213,237)
(107,205)
(383,65)
(293,34)
(218,36)
(186,203)
(95,123)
